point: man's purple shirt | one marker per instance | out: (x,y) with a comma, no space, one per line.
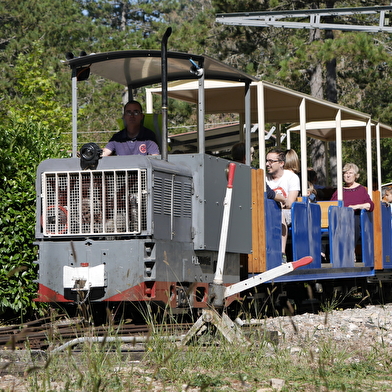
(137,147)
(143,144)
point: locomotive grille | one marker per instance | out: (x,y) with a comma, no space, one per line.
(172,197)
(94,202)
(187,203)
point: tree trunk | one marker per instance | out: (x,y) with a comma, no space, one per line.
(332,96)
(317,147)
(326,175)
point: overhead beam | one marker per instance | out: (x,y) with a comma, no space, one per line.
(313,19)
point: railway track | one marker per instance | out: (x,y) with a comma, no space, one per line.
(47,333)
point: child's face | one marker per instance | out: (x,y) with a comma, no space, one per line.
(388,197)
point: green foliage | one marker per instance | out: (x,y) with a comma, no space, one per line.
(25,144)
(31,129)
(30,134)
(35,92)
(205,381)
(58,25)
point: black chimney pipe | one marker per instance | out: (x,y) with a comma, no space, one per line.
(164,92)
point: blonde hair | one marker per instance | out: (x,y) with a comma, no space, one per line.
(292,161)
(311,189)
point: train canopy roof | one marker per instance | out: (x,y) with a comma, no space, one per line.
(262,103)
(224,85)
(218,139)
(223,88)
(139,68)
(281,106)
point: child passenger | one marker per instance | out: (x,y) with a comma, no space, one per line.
(387,197)
(312,193)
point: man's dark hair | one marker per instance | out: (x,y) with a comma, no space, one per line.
(281,153)
(133,102)
(238,152)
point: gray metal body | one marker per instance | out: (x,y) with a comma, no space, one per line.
(111,232)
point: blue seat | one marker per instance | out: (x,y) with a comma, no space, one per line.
(341,236)
(306,232)
(367,247)
(386,221)
(273,224)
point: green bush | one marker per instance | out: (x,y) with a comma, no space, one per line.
(24,145)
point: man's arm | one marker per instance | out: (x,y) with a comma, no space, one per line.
(280,199)
(292,197)
(152,148)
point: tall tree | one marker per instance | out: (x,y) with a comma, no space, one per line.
(287,57)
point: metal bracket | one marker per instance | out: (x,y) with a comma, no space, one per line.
(223,323)
(218,293)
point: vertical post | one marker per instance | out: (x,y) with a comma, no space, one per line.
(261,123)
(339,156)
(130,94)
(164,91)
(288,139)
(247,124)
(74,113)
(149,101)
(304,166)
(218,279)
(369,157)
(378,157)
(200,115)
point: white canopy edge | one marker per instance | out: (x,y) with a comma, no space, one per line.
(352,129)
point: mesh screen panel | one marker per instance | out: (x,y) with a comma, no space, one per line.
(94,202)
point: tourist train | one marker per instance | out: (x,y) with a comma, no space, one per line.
(148,229)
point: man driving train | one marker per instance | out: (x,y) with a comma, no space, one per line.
(135,138)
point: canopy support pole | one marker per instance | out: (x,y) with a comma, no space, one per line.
(248,158)
(74,114)
(339,157)
(164,92)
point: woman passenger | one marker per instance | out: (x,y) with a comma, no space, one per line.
(355,195)
(292,161)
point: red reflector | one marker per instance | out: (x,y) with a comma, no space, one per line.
(84,264)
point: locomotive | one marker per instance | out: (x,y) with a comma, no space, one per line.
(146,229)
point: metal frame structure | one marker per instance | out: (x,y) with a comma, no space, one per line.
(274,104)
(314,19)
(130,67)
